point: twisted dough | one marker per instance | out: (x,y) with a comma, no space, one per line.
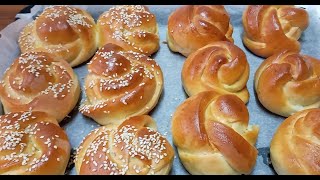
(212,134)
(67,32)
(120,84)
(42,82)
(192,27)
(271,29)
(219,66)
(288,82)
(134,147)
(32,143)
(133,27)
(295,147)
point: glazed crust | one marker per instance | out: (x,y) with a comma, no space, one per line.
(212,134)
(272,29)
(191,27)
(66,32)
(32,143)
(133,148)
(219,66)
(42,82)
(288,82)
(120,84)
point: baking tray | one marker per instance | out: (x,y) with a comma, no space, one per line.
(78,126)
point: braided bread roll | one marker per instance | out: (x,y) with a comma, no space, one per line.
(191,27)
(67,32)
(42,82)
(288,82)
(133,27)
(271,29)
(295,147)
(133,148)
(120,84)
(32,143)
(212,135)
(219,66)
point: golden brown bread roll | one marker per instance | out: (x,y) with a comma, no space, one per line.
(219,66)
(295,147)
(67,32)
(191,27)
(42,82)
(134,147)
(133,27)
(120,84)
(212,134)
(271,29)
(288,82)
(32,143)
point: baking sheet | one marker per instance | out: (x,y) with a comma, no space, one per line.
(78,126)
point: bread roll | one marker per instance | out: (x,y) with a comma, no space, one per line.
(295,147)
(42,82)
(133,27)
(219,66)
(271,29)
(32,143)
(191,27)
(133,148)
(120,84)
(212,135)
(67,32)
(288,82)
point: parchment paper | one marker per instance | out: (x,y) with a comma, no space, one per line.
(78,126)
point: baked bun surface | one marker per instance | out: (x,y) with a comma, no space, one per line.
(191,27)
(272,29)
(220,66)
(133,27)
(288,82)
(67,32)
(295,147)
(42,82)
(133,148)
(212,135)
(120,84)
(32,143)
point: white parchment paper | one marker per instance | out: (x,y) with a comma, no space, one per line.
(78,126)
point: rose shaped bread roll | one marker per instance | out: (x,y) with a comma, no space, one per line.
(42,82)
(295,147)
(134,147)
(212,135)
(32,143)
(120,84)
(67,32)
(288,82)
(191,27)
(271,29)
(133,27)
(219,66)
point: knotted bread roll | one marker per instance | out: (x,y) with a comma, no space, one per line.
(271,29)
(133,27)
(42,82)
(295,147)
(219,66)
(288,82)
(120,84)
(32,143)
(212,134)
(191,27)
(67,32)
(133,148)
